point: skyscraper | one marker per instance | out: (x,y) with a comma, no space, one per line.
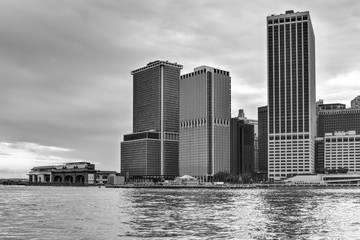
(204,122)
(151,151)
(291,94)
(242,145)
(263,139)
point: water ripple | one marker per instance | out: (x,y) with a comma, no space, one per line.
(100,213)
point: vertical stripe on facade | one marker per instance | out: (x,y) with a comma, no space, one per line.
(290,95)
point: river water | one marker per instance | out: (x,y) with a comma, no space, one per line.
(30,212)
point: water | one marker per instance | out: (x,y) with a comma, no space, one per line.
(101,213)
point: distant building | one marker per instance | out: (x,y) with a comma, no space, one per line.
(255,123)
(319,154)
(341,119)
(103,177)
(331,106)
(242,146)
(355,103)
(342,150)
(291,94)
(263,139)
(205,102)
(152,150)
(73,173)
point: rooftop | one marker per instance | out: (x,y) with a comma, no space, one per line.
(157,63)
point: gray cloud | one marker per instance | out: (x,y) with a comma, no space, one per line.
(65,65)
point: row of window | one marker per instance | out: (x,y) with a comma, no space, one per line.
(289,137)
(351,139)
(202,122)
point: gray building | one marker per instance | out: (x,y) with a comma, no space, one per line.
(205,102)
(291,94)
(152,150)
(355,103)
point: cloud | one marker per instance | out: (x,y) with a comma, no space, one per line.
(18,158)
(65,65)
(341,88)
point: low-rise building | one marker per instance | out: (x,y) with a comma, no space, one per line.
(103,177)
(73,173)
(333,179)
(342,150)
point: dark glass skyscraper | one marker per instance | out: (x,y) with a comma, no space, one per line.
(291,94)
(152,149)
(333,120)
(242,147)
(263,139)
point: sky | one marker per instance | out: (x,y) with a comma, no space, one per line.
(65,82)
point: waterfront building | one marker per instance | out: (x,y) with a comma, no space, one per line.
(342,150)
(205,101)
(326,179)
(291,94)
(152,150)
(103,177)
(73,173)
(333,120)
(355,103)
(263,140)
(242,145)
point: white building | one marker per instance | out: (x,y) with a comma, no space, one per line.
(291,95)
(342,150)
(204,139)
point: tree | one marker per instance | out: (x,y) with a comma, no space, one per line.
(232,178)
(342,170)
(320,170)
(220,176)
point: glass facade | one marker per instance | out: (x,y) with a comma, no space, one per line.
(153,147)
(204,122)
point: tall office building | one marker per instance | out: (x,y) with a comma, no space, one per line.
(152,150)
(355,103)
(263,139)
(242,145)
(291,94)
(204,122)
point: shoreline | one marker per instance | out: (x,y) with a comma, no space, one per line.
(236,186)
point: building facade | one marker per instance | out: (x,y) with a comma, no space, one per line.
(242,147)
(330,106)
(152,150)
(205,101)
(73,173)
(355,103)
(263,139)
(342,150)
(291,95)
(319,155)
(334,120)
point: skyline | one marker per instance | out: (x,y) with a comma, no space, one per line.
(66,87)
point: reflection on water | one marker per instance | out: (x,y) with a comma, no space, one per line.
(100,213)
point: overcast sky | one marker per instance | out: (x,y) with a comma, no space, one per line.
(65,82)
